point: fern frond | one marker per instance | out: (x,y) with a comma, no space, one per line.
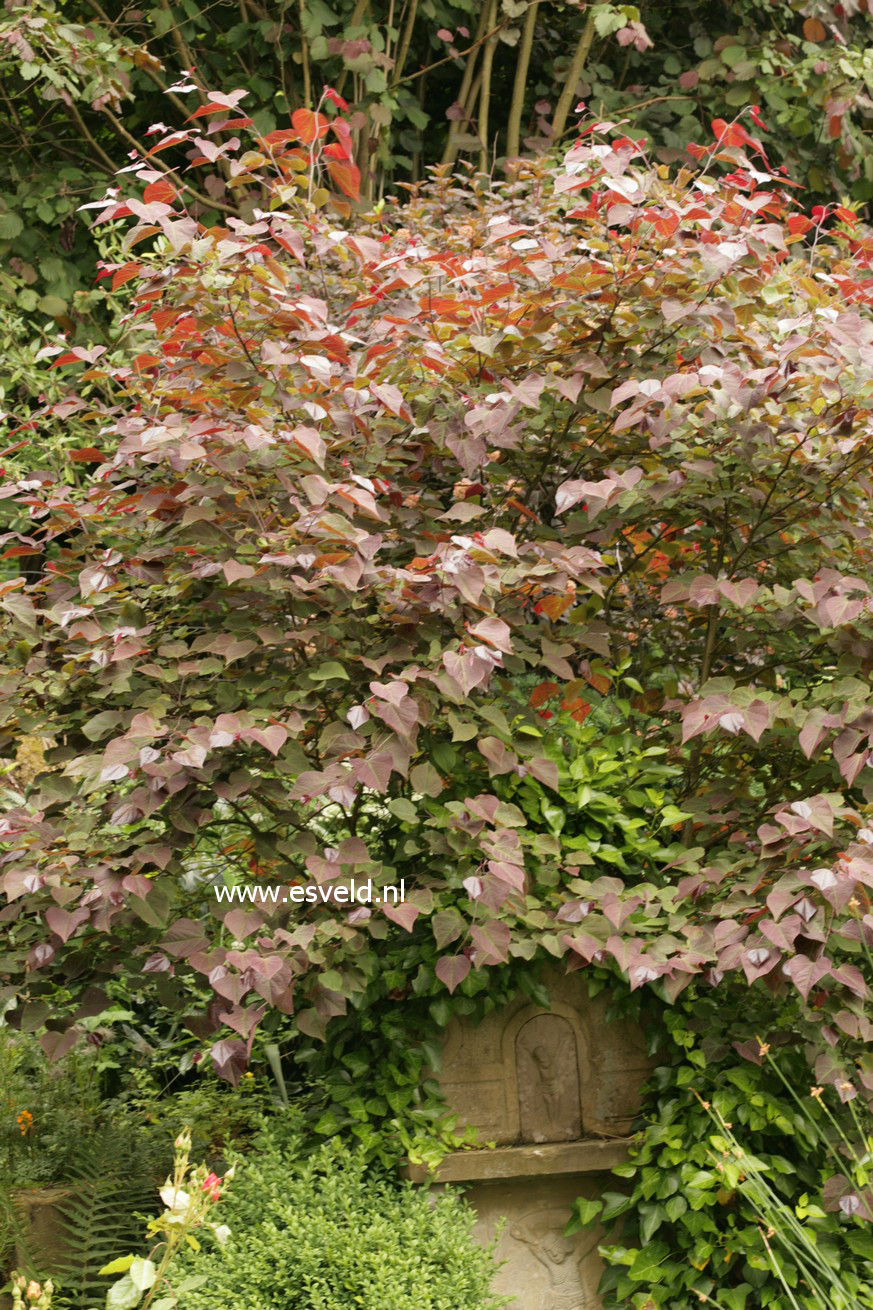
(113,1177)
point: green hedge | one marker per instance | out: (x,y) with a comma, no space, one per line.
(324,1232)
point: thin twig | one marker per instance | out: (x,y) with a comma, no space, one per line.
(202,199)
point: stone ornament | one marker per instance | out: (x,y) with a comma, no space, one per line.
(555,1092)
(547,1072)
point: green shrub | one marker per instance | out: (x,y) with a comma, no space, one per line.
(324,1232)
(747,1189)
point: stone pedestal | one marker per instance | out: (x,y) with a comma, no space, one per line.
(557,1091)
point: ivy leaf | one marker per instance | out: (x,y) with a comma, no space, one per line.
(648,1263)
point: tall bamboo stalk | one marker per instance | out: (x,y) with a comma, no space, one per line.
(450,153)
(358,15)
(405,39)
(304,50)
(485,93)
(562,111)
(516,108)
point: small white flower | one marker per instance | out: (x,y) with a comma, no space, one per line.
(222,1233)
(176,1201)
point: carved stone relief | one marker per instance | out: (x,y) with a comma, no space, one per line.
(548,1080)
(556,1090)
(493,1080)
(543,1269)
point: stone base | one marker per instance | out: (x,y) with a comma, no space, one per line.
(541,1269)
(523,1196)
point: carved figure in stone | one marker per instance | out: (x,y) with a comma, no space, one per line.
(541,1232)
(548,1080)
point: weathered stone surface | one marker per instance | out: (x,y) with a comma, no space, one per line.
(557,1091)
(547,1067)
(514,1162)
(525,1074)
(542,1269)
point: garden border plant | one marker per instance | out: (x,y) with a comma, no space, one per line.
(502,475)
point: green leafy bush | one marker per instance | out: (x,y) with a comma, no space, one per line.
(45,1111)
(323,1232)
(747,1187)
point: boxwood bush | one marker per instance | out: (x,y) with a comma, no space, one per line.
(323,1231)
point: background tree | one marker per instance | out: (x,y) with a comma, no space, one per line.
(511,541)
(83,80)
(371,496)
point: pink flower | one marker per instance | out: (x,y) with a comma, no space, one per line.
(212,1186)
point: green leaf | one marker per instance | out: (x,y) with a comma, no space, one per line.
(123,1295)
(53,306)
(329,669)
(607,19)
(647,1263)
(11,226)
(189,1284)
(425,779)
(101,724)
(735,1298)
(119,1266)
(733,54)
(587,1211)
(403,809)
(142,1273)
(652,1218)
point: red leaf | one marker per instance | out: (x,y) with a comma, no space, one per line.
(142,362)
(162,191)
(596,680)
(280,137)
(125,274)
(491,942)
(347,177)
(164,318)
(309,126)
(172,140)
(798,225)
(344,136)
(56,1045)
(542,693)
(729,134)
(207,109)
(88,455)
(579,708)
(403,913)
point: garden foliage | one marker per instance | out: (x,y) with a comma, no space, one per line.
(512,543)
(85,79)
(730,1197)
(322,1232)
